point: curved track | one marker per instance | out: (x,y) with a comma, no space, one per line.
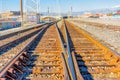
(47,53)
(9,39)
(40,57)
(50,63)
(8,52)
(9,55)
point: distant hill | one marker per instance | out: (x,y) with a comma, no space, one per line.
(105,10)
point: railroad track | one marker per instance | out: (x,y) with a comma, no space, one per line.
(92,60)
(9,39)
(52,54)
(14,45)
(100,25)
(50,63)
(39,58)
(17,47)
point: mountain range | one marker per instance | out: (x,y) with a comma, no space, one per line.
(104,10)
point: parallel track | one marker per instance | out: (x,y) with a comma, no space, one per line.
(40,58)
(9,39)
(92,60)
(12,55)
(47,53)
(8,53)
(50,63)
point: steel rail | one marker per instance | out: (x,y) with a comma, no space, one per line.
(69,55)
(10,63)
(18,39)
(67,75)
(21,31)
(91,58)
(44,69)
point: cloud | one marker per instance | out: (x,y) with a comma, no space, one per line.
(117,6)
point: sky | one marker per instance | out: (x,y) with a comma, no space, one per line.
(62,6)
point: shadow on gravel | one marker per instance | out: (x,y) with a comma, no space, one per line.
(82,67)
(33,56)
(12,46)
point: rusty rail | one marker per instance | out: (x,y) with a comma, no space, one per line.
(45,57)
(18,62)
(21,31)
(12,62)
(50,63)
(67,75)
(11,38)
(92,59)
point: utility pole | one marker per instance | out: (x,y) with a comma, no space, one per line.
(71,11)
(48,10)
(38,11)
(48,13)
(21,11)
(38,6)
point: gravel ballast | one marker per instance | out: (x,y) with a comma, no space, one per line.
(106,36)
